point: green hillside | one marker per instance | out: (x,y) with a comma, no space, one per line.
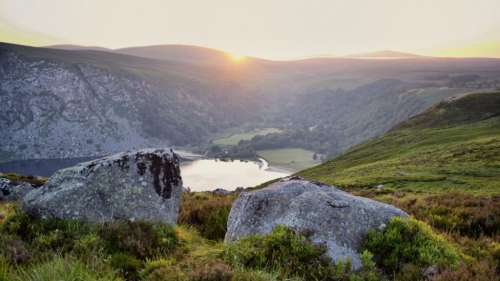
(454,146)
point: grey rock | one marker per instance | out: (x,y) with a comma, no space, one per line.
(10,191)
(335,218)
(140,185)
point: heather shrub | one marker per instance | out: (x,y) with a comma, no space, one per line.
(283,251)
(139,239)
(128,266)
(212,271)
(409,246)
(163,270)
(207,213)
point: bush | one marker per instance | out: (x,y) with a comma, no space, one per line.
(214,271)
(206,212)
(163,270)
(477,271)
(127,266)
(283,251)
(406,244)
(46,234)
(467,215)
(139,239)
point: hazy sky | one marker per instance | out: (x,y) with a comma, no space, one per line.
(276,29)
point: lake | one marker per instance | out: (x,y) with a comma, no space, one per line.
(197,173)
(210,174)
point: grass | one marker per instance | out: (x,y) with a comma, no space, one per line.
(442,167)
(236,138)
(294,159)
(463,158)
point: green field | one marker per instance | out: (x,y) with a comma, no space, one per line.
(236,138)
(293,159)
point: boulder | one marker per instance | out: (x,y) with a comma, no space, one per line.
(334,218)
(12,191)
(140,185)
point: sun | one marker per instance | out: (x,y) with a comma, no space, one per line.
(236,58)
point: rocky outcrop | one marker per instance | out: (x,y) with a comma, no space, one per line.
(11,191)
(141,185)
(334,218)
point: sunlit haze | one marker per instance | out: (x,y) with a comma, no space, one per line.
(281,29)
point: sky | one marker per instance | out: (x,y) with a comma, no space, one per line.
(272,29)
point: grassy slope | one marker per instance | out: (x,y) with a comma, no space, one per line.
(289,158)
(236,138)
(454,146)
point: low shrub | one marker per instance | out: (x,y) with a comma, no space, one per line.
(477,271)
(45,234)
(128,266)
(408,246)
(17,179)
(283,251)
(213,271)
(163,270)
(139,239)
(465,214)
(206,212)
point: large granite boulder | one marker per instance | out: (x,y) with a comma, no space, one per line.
(334,218)
(140,185)
(12,191)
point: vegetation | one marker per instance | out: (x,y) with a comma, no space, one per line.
(290,158)
(444,174)
(408,243)
(236,138)
(442,168)
(17,179)
(207,213)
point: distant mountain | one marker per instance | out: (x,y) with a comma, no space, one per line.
(58,103)
(452,146)
(385,54)
(183,53)
(79,48)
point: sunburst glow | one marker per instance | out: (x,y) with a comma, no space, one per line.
(236,58)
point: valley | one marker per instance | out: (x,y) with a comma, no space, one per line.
(69,103)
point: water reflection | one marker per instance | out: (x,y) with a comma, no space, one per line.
(209,174)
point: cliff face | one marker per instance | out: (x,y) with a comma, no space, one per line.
(51,108)
(54,110)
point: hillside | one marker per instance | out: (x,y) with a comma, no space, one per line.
(85,101)
(453,146)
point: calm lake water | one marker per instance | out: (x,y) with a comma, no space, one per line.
(210,174)
(198,174)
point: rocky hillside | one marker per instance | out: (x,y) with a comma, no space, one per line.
(58,103)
